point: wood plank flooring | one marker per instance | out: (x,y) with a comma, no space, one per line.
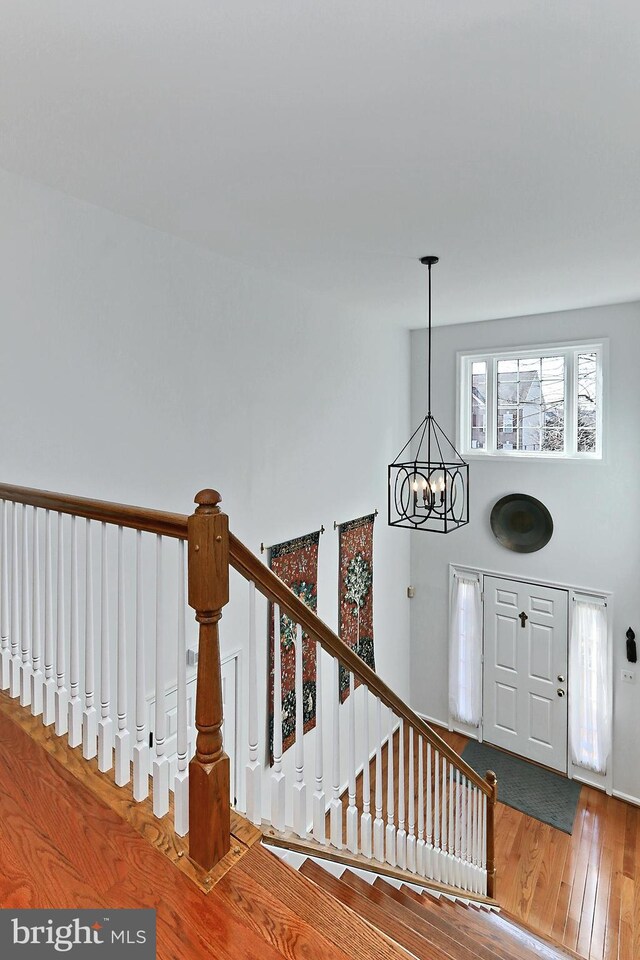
(581,890)
(62,846)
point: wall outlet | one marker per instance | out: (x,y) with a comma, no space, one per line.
(629,676)
(192,656)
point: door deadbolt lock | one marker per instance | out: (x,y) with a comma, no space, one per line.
(561,692)
(560,679)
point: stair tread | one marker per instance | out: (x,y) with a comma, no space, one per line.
(273,919)
(520,942)
(383,918)
(443,935)
(477,941)
(331,918)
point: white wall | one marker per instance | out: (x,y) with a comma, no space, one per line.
(595,507)
(139,368)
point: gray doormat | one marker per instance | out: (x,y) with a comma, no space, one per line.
(539,793)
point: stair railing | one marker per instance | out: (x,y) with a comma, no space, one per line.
(410,801)
(76,649)
(93,640)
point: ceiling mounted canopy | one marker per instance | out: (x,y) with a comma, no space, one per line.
(429,480)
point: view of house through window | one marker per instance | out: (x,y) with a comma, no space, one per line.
(546,402)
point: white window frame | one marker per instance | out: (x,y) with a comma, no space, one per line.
(570,351)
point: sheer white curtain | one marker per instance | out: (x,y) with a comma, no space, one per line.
(465,651)
(589,685)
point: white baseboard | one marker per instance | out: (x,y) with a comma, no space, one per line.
(634,801)
(438,723)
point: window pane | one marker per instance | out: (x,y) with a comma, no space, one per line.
(479,405)
(587,382)
(531,404)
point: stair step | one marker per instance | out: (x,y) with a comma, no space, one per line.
(442,935)
(383,919)
(333,920)
(477,944)
(510,941)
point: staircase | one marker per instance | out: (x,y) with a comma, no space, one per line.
(428,925)
(93,656)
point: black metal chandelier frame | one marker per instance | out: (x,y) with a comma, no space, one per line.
(429,491)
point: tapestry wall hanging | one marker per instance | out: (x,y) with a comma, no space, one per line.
(296,563)
(355,578)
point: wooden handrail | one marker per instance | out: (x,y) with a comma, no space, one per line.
(121,514)
(251,568)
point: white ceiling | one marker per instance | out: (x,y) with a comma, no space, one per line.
(333,142)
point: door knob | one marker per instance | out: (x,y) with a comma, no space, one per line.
(560,679)
(560,692)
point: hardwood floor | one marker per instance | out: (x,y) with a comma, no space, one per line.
(583,890)
(62,846)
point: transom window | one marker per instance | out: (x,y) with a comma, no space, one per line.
(538,401)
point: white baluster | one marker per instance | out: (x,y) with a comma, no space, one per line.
(420,864)
(254,767)
(411,836)
(16,661)
(443,826)
(160,765)
(181,784)
(477,858)
(4,602)
(465,846)
(454,827)
(122,739)
(74,720)
(436,872)
(62,693)
(89,714)
(390,833)
(37,676)
(427,856)
(401,836)
(319,799)
(335,807)
(105,723)
(25,648)
(278,781)
(365,820)
(352,810)
(478,803)
(483,847)
(48,705)
(141,746)
(378,823)
(299,786)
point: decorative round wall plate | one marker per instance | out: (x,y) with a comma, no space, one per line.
(521,523)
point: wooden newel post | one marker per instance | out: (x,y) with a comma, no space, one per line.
(209,807)
(492,799)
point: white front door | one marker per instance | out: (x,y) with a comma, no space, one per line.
(525,670)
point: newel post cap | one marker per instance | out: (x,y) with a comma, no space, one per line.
(207,500)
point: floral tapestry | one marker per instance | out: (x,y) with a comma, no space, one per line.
(355,574)
(296,563)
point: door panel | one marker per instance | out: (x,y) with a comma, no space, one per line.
(525,651)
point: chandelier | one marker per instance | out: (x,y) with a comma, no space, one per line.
(429,480)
